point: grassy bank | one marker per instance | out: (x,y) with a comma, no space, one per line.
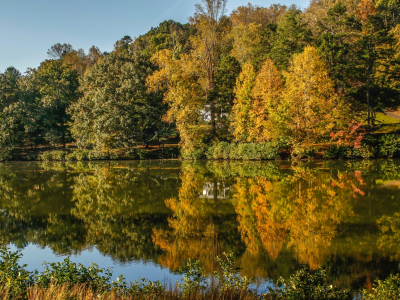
(68,280)
(90,155)
(380,144)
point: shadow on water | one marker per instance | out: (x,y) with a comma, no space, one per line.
(275,216)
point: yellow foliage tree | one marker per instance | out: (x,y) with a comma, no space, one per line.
(249,13)
(241,120)
(267,93)
(245,39)
(310,109)
(178,78)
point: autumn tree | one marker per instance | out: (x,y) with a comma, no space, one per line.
(241,111)
(317,10)
(77,60)
(207,46)
(253,14)
(184,94)
(310,109)
(267,94)
(122,44)
(169,35)
(58,50)
(94,55)
(188,79)
(248,31)
(245,39)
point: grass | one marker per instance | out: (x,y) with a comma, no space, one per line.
(86,292)
(382,118)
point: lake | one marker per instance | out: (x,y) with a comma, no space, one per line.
(145,219)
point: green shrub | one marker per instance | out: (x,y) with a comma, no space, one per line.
(194,280)
(146,288)
(55,155)
(71,273)
(368,149)
(132,154)
(304,285)
(248,151)
(230,278)
(219,151)
(388,289)
(198,153)
(244,151)
(14,277)
(336,151)
(143,154)
(31,157)
(58,155)
(70,157)
(81,155)
(169,152)
(96,155)
(5,155)
(270,150)
(45,156)
(389,146)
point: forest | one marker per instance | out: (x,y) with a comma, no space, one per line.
(268,79)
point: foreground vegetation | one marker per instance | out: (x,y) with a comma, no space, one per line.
(273,215)
(257,75)
(68,280)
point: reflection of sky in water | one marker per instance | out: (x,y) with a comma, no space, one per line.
(275,216)
(34,256)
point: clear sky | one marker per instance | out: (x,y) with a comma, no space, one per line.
(29,27)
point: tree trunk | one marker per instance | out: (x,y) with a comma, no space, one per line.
(63,134)
(368,96)
(9,133)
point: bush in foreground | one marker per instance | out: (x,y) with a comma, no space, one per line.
(68,280)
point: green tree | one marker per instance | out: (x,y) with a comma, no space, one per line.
(376,58)
(292,35)
(58,89)
(116,110)
(167,35)
(337,33)
(9,109)
(223,92)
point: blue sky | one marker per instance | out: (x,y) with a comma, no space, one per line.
(29,27)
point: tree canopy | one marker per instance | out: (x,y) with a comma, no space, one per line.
(258,74)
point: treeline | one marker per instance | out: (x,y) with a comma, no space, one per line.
(278,75)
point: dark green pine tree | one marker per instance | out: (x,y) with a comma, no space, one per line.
(262,51)
(223,93)
(336,34)
(292,35)
(375,68)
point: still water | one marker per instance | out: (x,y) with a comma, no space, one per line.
(145,219)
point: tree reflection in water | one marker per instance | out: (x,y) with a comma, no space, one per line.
(274,215)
